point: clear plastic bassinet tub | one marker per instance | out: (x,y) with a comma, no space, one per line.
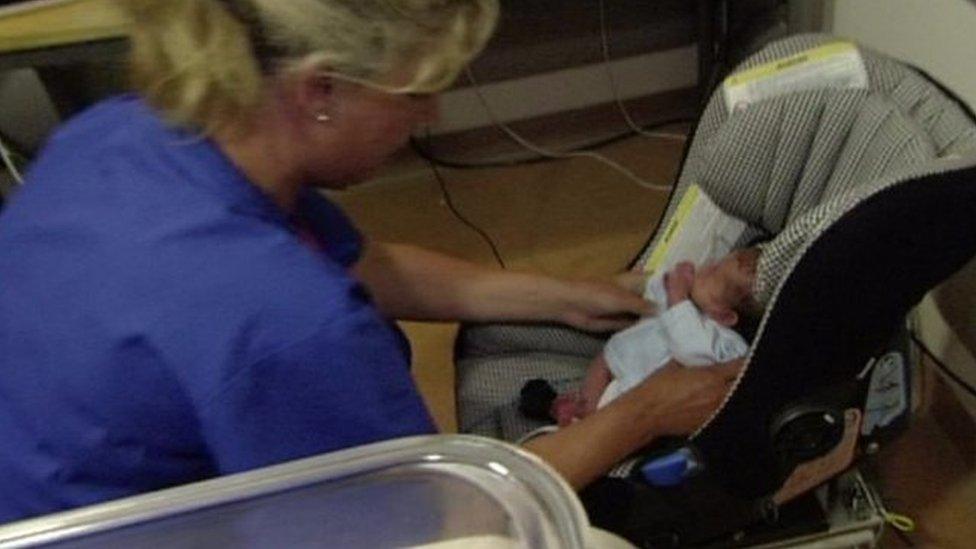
(437,491)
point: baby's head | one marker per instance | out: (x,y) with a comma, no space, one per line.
(723,290)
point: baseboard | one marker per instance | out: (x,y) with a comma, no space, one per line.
(563,131)
(570,129)
(567,90)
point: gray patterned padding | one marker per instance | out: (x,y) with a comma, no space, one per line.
(789,166)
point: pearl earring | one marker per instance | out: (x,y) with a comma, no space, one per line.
(322,118)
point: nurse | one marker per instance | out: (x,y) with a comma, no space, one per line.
(177,301)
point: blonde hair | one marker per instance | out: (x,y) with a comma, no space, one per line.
(204,63)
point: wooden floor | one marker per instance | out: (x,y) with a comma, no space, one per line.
(579,218)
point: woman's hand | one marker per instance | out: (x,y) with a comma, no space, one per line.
(598,306)
(633,281)
(410,283)
(674,401)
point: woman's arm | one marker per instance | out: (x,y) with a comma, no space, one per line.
(673,401)
(411,283)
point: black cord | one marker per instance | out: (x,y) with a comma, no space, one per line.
(449,201)
(433,161)
(942,366)
(425,151)
(904,537)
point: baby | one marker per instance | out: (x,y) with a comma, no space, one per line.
(695,329)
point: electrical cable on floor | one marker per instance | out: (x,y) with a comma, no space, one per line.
(611,79)
(943,367)
(545,154)
(426,151)
(8,161)
(449,202)
(513,135)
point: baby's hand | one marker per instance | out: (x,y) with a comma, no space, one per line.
(678,282)
(566,408)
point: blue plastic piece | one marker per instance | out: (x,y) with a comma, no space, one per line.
(669,470)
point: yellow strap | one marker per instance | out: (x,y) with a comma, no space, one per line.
(899,522)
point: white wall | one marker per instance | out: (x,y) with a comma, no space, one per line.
(938,36)
(26,112)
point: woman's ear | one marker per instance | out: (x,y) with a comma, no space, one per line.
(312,93)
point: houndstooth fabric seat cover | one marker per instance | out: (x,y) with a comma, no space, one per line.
(791,166)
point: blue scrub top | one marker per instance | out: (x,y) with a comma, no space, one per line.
(161,322)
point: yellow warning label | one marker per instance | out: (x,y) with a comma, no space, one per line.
(685,208)
(769,69)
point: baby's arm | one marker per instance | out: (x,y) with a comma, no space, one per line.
(694,341)
(598,376)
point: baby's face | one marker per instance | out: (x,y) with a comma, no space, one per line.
(719,287)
